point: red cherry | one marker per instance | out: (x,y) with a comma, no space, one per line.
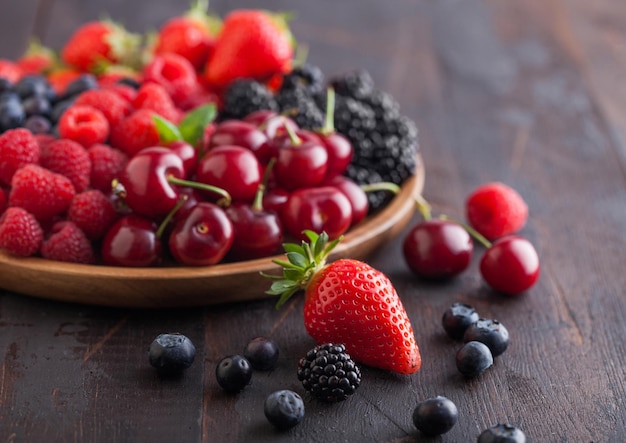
(188,154)
(356,195)
(203,237)
(274,199)
(324,208)
(238,133)
(232,168)
(145,180)
(257,232)
(339,151)
(437,249)
(302,163)
(270,122)
(510,265)
(132,241)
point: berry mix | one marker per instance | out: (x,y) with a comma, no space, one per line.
(209,144)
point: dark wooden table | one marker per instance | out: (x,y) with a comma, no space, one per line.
(530,93)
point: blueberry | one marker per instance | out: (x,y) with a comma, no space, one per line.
(31,85)
(502,433)
(233,373)
(83,83)
(171,353)
(284,409)
(5,85)
(11,114)
(473,359)
(129,82)
(435,416)
(59,108)
(262,353)
(38,124)
(36,105)
(457,318)
(490,332)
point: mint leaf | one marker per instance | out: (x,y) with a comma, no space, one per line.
(168,131)
(193,124)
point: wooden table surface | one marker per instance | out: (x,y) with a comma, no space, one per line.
(530,93)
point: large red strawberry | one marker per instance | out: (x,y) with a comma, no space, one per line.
(251,44)
(99,42)
(191,35)
(349,302)
(37,59)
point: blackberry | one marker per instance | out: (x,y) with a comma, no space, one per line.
(435,416)
(457,318)
(262,353)
(490,332)
(171,354)
(392,156)
(300,107)
(473,359)
(245,96)
(309,77)
(329,373)
(364,176)
(502,433)
(356,84)
(353,119)
(383,104)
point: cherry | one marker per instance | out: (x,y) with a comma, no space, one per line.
(437,249)
(203,237)
(355,193)
(270,122)
(274,199)
(510,265)
(232,168)
(338,147)
(188,154)
(302,162)
(132,241)
(239,133)
(323,208)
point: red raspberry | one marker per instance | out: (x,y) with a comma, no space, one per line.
(4,199)
(175,73)
(67,243)
(112,106)
(18,147)
(126,92)
(20,232)
(41,192)
(135,132)
(93,213)
(495,210)
(154,97)
(84,124)
(106,164)
(43,140)
(70,159)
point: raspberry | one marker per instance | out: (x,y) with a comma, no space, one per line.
(126,92)
(175,73)
(18,147)
(41,192)
(154,97)
(112,106)
(67,243)
(43,140)
(106,164)
(4,198)
(495,210)
(135,132)
(70,159)
(20,233)
(92,212)
(84,124)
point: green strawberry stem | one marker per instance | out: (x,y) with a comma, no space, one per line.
(329,120)
(471,231)
(224,201)
(422,205)
(179,204)
(303,262)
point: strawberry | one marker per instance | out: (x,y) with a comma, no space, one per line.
(98,42)
(37,59)
(190,35)
(10,70)
(251,44)
(348,302)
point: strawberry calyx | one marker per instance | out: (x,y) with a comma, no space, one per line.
(124,45)
(303,262)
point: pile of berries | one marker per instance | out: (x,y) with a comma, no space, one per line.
(191,155)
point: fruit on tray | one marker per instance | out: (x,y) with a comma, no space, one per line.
(209,103)
(348,302)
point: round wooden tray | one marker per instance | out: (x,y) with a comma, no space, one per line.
(190,286)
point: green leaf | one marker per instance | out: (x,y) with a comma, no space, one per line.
(297,259)
(168,131)
(292,247)
(320,245)
(193,124)
(292,274)
(285,264)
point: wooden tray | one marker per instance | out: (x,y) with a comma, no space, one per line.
(190,286)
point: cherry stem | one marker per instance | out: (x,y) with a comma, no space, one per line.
(295,140)
(226,199)
(420,202)
(301,55)
(329,121)
(257,204)
(179,204)
(473,232)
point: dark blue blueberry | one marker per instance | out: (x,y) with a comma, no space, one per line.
(83,83)
(11,113)
(473,359)
(457,318)
(435,416)
(59,108)
(38,124)
(31,85)
(262,353)
(233,373)
(284,409)
(5,85)
(502,433)
(490,332)
(171,353)
(36,105)
(129,82)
